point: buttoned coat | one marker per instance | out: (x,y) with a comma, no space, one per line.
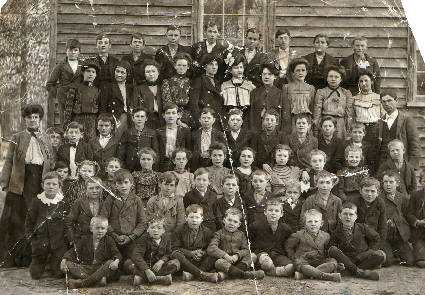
(395,210)
(302,242)
(182,242)
(227,243)
(206,202)
(316,75)
(112,100)
(329,213)
(173,213)
(143,97)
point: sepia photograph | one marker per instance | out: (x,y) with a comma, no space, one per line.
(212,147)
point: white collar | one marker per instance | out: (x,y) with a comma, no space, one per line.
(105,137)
(393,115)
(285,51)
(42,197)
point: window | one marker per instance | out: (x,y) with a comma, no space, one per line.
(416,77)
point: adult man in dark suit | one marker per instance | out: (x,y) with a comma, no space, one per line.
(136,58)
(283,55)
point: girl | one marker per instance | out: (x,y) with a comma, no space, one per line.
(297,94)
(146,180)
(176,89)
(181,157)
(367,105)
(217,172)
(149,95)
(334,101)
(245,169)
(236,92)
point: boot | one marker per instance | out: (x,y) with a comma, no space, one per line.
(255,274)
(211,277)
(334,277)
(137,281)
(221,276)
(299,275)
(368,274)
(164,280)
(284,271)
(103,282)
(187,276)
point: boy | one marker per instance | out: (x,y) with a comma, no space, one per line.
(135,138)
(45,227)
(398,235)
(416,217)
(397,163)
(317,163)
(55,136)
(229,247)
(307,247)
(370,208)
(331,144)
(351,175)
(256,196)
(324,201)
(203,138)
(126,215)
(204,197)
(181,157)
(83,101)
(283,54)
(106,61)
(266,139)
(236,136)
(106,144)
(135,58)
(192,240)
(292,202)
(171,137)
(165,55)
(356,245)
(151,256)
(93,259)
(217,172)
(230,199)
(75,150)
(268,237)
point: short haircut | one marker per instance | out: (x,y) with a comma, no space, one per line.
(390,173)
(328,118)
(298,61)
(208,110)
(210,24)
(73,43)
(239,58)
(169,106)
(123,174)
(168,177)
(274,202)
(254,31)
(94,179)
(30,109)
(140,109)
(218,146)
(94,164)
(349,205)
(321,36)
(271,112)
(281,147)
(174,28)
(359,38)
(316,152)
(113,159)
(394,142)
(235,111)
(303,116)
(137,36)
(353,148)
(282,31)
(326,174)
(51,175)
(233,211)
(107,117)
(389,93)
(194,208)
(156,219)
(54,130)
(182,55)
(148,151)
(365,72)
(181,150)
(259,172)
(74,125)
(98,219)
(102,36)
(209,58)
(338,69)
(271,66)
(61,165)
(358,125)
(200,171)
(370,181)
(311,212)
(230,176)
(294,184)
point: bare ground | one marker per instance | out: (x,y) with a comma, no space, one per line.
(394,280)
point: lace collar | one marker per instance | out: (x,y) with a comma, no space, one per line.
(42,197)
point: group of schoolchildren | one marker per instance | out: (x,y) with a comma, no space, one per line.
(215,162)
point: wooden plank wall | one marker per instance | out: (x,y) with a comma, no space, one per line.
(84,19)
(381,21)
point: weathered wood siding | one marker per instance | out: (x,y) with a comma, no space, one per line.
(84,19)
(381,21)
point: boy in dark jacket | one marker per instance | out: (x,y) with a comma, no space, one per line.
(151,257)
(292,203)
(268,238)
(93,259)
(356,245)
(191,241)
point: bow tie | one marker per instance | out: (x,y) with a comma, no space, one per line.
(33,131)
(150,83)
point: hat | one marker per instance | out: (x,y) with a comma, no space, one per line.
(30,109)
(90,63)
(73,43)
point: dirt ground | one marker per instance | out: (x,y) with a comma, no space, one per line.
(395,280)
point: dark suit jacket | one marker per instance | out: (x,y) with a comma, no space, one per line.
(317,73)
(220,207)
(204,94)
(301,151)
(244,139)
(254,211)
(395,210)
(183,141)
(143,97)
(182,243)
(13,171)
(112,100)
(352,73)
(207,202)
(163,57)
(84,152)
(264,145)
(264,240)
(407,132)
(196,160)
(200,49)
(83,252)
(106,74)
(407,175)
(334,153)
(415,212)
(100,155)
(135,76)
(292,217)
(364,238)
